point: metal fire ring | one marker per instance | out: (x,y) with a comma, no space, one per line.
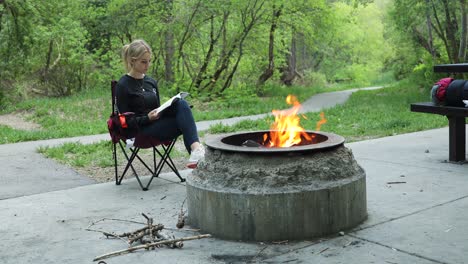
(221,142)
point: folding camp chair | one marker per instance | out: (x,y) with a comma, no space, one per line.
(160,150)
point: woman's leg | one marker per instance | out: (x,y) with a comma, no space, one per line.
(185,122)
(176,120)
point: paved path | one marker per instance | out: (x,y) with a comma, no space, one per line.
(420,221)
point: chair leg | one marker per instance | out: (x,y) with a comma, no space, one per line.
(129,162)
(165,158)
(157,167)
(114,155)
(134,155)
(174,169)
(169,162)
(144,164)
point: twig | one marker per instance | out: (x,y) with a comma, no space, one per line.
(136,237)
(396,182)
(133,236)
(119,220)
(183,229)
(150,227)
(148,246)
(181,217)
(280,242)
(323,250)
(127,234)
(140,233)
(107,234)
(290,260)
(258,254)
(163,236)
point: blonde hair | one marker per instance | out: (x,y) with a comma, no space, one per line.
(134,51)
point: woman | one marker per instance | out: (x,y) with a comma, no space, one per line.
(138,93)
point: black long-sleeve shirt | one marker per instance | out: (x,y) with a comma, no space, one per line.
(137,95)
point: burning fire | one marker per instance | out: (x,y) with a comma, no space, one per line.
(286,130)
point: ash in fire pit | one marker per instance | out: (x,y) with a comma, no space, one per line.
(268,193)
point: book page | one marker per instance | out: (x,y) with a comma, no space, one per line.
(169,102)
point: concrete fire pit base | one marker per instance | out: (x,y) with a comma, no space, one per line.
(276,217)
(276,196)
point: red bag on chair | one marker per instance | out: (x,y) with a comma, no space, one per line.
(122,126)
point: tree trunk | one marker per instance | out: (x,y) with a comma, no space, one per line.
(48,58)
(425,43)
(228,81)
(268,72)
(213,40)
(317,59)
(168,44)
(169,47)
(254,15)
(185,36)
(224,46)
(463,34)
(450,29)
(1,14)
(439,29)
(429,30)
(289,70)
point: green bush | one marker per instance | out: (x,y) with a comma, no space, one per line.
(312,78)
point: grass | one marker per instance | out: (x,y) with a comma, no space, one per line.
(97,155)
(366,115)
(79,155)
(81,114)
(86,113)
(379,113)
(238,103)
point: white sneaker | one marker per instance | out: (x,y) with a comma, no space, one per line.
(129,143)
(196,155)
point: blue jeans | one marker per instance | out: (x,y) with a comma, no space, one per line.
(175,121)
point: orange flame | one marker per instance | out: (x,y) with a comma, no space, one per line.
(321,121)
(286,130)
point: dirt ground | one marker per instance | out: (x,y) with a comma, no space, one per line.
(18,121)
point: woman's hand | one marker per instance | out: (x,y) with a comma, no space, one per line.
(153,115)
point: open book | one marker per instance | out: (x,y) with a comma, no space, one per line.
(169,102)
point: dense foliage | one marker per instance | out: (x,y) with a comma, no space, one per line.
(60,47)
(427,32)
(214,48)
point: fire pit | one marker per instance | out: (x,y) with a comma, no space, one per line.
(246,191)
